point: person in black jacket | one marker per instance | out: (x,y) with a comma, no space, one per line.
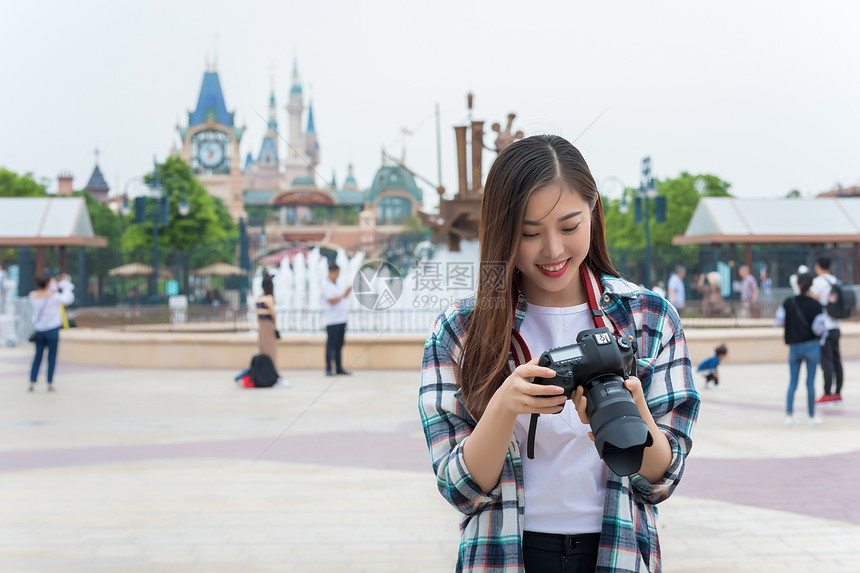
(801,317)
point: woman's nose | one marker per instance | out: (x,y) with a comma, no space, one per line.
(552,246)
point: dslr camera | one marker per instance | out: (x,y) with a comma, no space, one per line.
(600,362)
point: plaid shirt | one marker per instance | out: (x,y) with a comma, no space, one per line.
(492,523)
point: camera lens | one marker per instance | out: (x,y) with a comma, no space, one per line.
(620,433)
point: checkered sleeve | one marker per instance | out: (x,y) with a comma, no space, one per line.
(447,424)
(667,374)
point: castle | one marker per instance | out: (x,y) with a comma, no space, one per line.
(278,189)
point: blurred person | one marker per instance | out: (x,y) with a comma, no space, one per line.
(709,366)
(792,280)
(677,292)
(267,331)
(802,318)
(749,291)
(765,281)
(46,303)
(831,359)
(335,313)
(709,285)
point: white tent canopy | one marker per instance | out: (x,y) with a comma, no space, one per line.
(751,221)
(47,221)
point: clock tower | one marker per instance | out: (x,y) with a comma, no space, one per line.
(210,145)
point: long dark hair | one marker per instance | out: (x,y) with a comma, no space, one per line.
(268,286)
(520,169)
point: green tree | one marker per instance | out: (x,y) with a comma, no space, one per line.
(208,221)
(105,222)
(14,185)
(682,195)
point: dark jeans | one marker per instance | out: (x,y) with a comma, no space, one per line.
(49,339)
(553,553)
(333,346)
(831,362)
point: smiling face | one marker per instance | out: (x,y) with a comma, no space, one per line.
(556,236)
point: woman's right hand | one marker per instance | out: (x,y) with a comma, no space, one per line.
(519,395)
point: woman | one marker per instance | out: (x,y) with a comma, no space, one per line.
(266,329)
(713,302)
(803,322)
(46,302)
(267,335)
(545,276)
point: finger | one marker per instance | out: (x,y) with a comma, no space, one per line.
(552,405)
(633,385)
(542,390)
(530,369)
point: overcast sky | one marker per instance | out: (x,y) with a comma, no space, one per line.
(765,95)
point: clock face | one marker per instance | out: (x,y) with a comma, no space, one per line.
(211,153)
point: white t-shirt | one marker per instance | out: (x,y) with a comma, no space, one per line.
(333,313)
(565,483)
(676,285)
(821,287)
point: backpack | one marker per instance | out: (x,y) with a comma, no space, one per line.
(842,301)
(263,373)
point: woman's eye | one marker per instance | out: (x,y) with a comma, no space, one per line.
(571,229)
(529,235)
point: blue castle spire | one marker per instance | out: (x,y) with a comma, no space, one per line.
(210,103)
(311,119)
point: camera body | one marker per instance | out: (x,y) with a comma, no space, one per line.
(600,362)
(597,352)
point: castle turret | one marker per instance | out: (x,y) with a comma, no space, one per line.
(312,146)
(298,162)
(97,186)
(295,109)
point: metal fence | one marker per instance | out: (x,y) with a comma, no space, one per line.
(221,319)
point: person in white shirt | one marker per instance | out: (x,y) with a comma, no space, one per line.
(335,314)
(677,292)
(46,301)
(831,361)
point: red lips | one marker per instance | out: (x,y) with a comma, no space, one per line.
(554,274)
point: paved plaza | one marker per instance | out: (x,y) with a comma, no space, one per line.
(180,470)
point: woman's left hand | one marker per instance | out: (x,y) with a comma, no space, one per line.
(633,385)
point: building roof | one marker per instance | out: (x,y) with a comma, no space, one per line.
(346,197)
(47,221)
(731,220)
(97,182)
(259,197)
(249,161)
(393,177)
(268,146)
(210,103)
(303,181)
(350,184)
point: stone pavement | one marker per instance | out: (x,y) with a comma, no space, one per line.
(167,470)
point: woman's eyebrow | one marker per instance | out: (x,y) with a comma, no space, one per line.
(565,218)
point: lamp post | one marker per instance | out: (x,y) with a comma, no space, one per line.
(162,215)
(641,210)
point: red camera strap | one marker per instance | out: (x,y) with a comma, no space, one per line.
(520,350)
